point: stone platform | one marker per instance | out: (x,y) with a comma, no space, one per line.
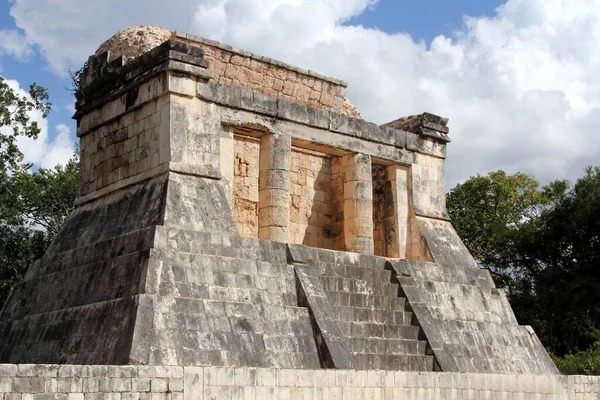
(75,382)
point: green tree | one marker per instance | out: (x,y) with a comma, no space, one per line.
(15,116)
(496,214)
(33,205)
(38,204)
(566,272)
(542,245)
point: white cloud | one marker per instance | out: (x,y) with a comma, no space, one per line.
(15,44)
(44,151)
(521,87)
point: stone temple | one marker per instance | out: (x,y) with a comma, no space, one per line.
(238,211)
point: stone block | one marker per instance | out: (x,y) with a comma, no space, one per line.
(339,123)
(229,96)
(175,385)
(285,378)
(8,370)
(264,104)
(245,377)
(318,118)
(28,385)
(266,377)
(300,254)
(5,384)
(292,111)
(193,383)
(37,370)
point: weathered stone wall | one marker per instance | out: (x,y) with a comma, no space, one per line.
(68,382)
(311,199)
(245,185)
(273,78)
(120,148)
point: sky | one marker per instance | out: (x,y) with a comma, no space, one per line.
(519,80)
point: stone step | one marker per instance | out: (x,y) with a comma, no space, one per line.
(394,362)
(356,314)
(362,286)
(386,346)
(381,331)
(371,301)
(356,272)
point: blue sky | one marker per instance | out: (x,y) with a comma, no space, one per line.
(407,16)
(518,79)
(423,19)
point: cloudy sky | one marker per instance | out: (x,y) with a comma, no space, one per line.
(519,80)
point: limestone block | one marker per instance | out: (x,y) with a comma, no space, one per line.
(181,84)
(292,111)
(264,104)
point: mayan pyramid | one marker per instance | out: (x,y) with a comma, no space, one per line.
(238,211)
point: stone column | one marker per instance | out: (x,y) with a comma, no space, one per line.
(274,187)
(358,203)
(398,176)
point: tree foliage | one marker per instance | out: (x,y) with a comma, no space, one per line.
(542,245)
(34,204)
(496,214)
(15,120)
(33,213)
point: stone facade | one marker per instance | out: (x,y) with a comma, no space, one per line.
(232,216)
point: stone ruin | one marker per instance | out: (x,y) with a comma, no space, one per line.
(238,211)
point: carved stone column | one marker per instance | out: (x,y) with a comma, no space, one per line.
(358,203)
(274,186)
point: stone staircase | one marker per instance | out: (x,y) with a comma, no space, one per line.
(378,329)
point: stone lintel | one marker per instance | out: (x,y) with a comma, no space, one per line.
(279,109)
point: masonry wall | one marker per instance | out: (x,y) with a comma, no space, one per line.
(311,199)
(67,382)
(245,185)
(273,78)
(121,148)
